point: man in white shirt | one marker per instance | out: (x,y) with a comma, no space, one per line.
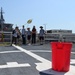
(23,35)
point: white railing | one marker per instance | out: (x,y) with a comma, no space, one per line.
(57,36)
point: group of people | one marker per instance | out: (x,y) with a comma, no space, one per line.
(28,37)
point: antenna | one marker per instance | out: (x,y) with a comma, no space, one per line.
(1,16)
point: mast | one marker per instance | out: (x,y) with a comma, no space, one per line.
(1,17)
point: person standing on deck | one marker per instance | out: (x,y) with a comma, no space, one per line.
(41,35)
(33,35)
(23,35)
(29,36)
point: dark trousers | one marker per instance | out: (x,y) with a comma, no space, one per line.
(23,39)
(14,40)
(33,38)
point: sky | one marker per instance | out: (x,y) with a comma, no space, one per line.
(51,14)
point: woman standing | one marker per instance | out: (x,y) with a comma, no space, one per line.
(14,36)
(28,35)
(18,33)
(33,35)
